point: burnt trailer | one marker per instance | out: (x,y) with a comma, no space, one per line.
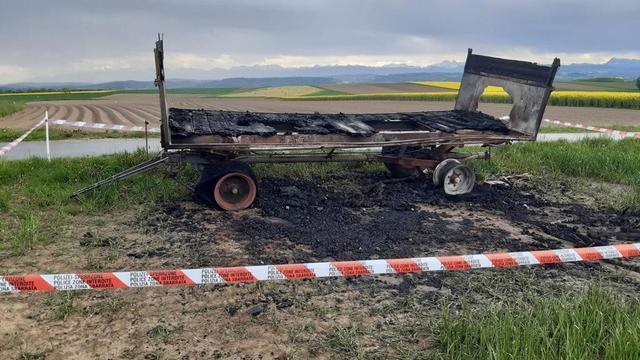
(223,144)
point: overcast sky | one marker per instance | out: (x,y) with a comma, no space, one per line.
(112,40)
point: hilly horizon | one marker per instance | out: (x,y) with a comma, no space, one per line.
(276,75)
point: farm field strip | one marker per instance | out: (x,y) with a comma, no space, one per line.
(277,91)
(36,93)
(357,89)
(495,94)
(134,110)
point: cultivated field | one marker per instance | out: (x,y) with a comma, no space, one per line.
(134,109)
(277,91)
(558,195)
(381,88)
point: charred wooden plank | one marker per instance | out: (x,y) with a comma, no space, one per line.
(186,122)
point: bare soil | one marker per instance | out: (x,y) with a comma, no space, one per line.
(134,109)
(341,217)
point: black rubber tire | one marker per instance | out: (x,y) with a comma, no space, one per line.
(396,170)
(212,173)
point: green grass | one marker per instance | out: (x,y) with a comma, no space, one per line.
(53,97)
(595,324)
(603,160)
(8,107)
(600,159)
(34,194)
(567,129)
(326,92)
(607,83)
(14,103)
(55,133)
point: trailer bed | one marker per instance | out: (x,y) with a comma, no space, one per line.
(222,129)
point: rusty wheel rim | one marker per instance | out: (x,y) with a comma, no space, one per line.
(235,191)
(459,180)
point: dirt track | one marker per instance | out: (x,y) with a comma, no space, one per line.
(344,216)
(135,109)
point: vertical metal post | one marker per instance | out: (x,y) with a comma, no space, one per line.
(165,138)
(46,134)
(146,135)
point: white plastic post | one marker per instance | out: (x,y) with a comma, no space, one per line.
(46,134)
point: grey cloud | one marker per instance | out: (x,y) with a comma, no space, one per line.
(54,34)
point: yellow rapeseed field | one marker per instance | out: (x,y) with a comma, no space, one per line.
(277,92)
(455,85)
(616,99)
(495,94)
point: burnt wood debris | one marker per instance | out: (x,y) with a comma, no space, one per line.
(190,122)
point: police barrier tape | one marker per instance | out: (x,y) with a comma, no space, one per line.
(104,126)
(239,274)
(620,133)
(5,149)
(101,126)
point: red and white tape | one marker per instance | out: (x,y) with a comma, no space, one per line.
(102,126)
(228,275)
(5,149)
(620,133)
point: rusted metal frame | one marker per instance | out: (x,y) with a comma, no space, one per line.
(433,159)
(308,158)
(365,154)
(409,162)
(165,132)
(256,143)
(547,93)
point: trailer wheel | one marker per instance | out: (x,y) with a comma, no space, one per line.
(442,169)
(230,186)
(459,180)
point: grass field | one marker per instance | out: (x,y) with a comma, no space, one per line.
(326,92)
(603,160)
(278,91)
(608,83)
(566,129)
(600,159)
(594,324)
(524,316)
(9,107)
(186,91)
(53,92)
(54,95)
(34,194)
